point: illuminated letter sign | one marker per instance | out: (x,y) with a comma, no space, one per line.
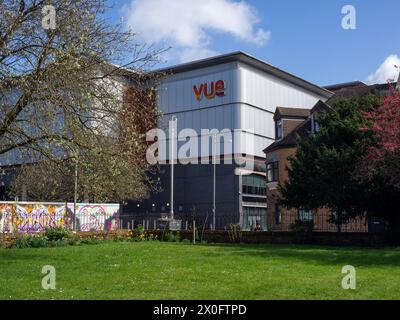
(198,92)
(210,90)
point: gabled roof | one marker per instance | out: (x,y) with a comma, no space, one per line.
(345,85)
(282,112)
(320,106)
(302,130)
(357,92)
(245,58)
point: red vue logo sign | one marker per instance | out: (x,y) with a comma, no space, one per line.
(209,90)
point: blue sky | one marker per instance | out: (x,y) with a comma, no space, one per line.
(304,37)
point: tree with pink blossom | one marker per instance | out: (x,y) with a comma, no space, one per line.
(383,154)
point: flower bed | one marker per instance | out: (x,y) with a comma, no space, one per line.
(53,237)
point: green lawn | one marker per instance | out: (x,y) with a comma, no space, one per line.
(160,270)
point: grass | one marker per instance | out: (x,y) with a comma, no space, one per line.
(159,270)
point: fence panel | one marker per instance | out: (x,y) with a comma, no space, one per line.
(31,217)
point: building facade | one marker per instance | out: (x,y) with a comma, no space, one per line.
(236,94)
(292,124)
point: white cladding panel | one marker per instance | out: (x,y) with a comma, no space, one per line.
(267,91)
(257,120)
(251,97)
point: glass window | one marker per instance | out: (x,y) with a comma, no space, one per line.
(254,185)
(254,199)
(316,127)
(273,171)
(278,129)
(278,216)
(305,215)
(252,215)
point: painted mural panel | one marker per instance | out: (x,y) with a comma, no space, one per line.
(29,217)
(94,217)
(6,217)
(36,217)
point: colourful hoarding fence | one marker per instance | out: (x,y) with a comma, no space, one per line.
(94,217)
(31,217)
(6,217)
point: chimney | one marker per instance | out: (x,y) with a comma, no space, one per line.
(398,83)
(398,80)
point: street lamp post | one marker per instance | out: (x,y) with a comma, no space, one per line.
(214,177)
(175,121)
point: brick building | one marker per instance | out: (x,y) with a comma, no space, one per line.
(294,123)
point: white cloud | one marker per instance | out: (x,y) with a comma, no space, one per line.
(386,71)
(186,24)
(194,53)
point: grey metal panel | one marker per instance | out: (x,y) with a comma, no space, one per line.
(250,100)
(179,89)
(219,118)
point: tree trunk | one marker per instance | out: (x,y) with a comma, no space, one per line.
(339,220)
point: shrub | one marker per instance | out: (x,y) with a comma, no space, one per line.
(52,237)
(138,234)
(150,236)
(119,237)
(31,241)
(302,230)
(172,237)
(89,241)
(56,233)
(56,237)
(235,233)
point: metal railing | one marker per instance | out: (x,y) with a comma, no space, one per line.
(322,223)
(149,220)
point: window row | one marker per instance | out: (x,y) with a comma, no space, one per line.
(304,215)
(259,191)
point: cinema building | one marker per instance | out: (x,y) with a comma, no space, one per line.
(240,94)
